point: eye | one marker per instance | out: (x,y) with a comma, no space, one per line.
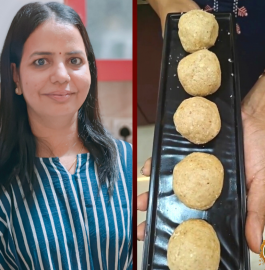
(76,61)
(40,62)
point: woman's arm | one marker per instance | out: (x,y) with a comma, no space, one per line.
(163,7)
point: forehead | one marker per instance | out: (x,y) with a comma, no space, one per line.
(54,36)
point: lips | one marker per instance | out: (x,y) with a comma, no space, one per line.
(60,96)
(61,93)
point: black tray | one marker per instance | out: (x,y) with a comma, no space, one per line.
(165,211)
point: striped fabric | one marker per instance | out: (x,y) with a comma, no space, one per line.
(66,222)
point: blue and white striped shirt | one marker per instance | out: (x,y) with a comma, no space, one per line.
(67,222)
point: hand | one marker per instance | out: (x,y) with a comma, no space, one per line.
(163,7)
(253,111)
(142,201)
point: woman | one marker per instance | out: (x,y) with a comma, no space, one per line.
(66,185)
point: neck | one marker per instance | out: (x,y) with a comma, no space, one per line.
(56,136)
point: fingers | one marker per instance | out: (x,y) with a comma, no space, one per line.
(176,7)
(141,231)
(253,232)
(255,215)
(142,201)
(146,170)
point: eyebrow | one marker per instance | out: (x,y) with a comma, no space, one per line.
(49,53)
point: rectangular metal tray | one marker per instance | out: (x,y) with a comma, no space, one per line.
(165,211)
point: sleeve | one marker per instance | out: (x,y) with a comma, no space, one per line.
(126,157)
(129,167)
(129,161)
(8,255)
(130,255)
(128,164)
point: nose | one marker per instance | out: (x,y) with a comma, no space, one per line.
(60,74)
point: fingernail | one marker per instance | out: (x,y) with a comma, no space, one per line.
(142,171)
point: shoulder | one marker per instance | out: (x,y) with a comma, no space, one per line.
(124,150)
(5,197)
(5,208)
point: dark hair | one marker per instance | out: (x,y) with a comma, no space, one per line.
(17,142)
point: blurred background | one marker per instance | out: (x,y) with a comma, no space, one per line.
(109,26)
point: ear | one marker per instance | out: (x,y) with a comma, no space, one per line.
(14,73)
(16,77)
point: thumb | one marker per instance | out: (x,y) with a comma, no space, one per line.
(255,215)
(142,201)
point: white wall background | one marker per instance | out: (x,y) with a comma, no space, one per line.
(8,9)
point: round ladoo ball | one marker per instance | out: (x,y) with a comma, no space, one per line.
(198,180)
(200,73)
(198,30)
(197,119)
(194,245)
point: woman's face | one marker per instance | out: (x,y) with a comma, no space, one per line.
(54,75)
